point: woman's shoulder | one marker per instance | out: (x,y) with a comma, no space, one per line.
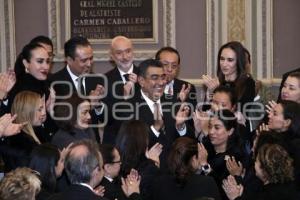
(29,83)
(61,138)
(22,138)
(91,133)
(198,178)
(246,77)
(21,141)
(148,167)
(281,191)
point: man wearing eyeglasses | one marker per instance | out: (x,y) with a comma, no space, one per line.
(176,90)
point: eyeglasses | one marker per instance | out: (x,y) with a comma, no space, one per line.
(156,77)
(113,162)
(167,64)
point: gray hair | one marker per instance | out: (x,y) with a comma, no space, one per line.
(80,166)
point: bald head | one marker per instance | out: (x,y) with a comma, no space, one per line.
(121,52)
(79,151)
(118,40)
(84,163)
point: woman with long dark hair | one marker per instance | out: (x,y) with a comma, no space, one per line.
(31,70)
(184,162)
(226,151)
(231,72)
(73,119)
(291,88)
(132,143)
(48,161)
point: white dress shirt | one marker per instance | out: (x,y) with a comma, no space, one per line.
(151,103)
(123,73)
(75,79)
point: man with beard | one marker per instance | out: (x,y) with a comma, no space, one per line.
(121,82)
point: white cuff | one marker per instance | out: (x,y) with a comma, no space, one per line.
(99,109)
(156,133)
(182,132)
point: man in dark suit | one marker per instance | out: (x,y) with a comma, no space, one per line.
(121,81)
(176,89)
(284,77)
(111,165)
(148,106)
(84,168)
(70,79)
(76,77)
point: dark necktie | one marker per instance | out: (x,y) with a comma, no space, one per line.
(80,87)
(126,76)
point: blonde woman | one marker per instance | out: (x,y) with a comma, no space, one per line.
(30,108)
(20,184)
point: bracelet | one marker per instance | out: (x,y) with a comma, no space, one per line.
(206,168)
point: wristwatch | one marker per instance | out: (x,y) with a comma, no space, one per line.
(206,168)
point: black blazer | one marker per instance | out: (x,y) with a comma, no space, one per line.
(63,138)
(60,88)
(114,87)
(141,111)
(77,192)
(15,150)
(69,89)
(197,186)
(113,189)
(114,76)
(192,97)
(27,82)
(280,191)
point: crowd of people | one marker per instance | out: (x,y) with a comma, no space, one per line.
(159,140)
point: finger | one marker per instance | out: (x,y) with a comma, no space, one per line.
(194,116)
(240,164)
(257,132)
(233,160)
(268,108)
(231,179)
(183,107)
(273,103)
(227,164)
(187,108)
(123,181)
(189,86)
(182,88)
(154,146)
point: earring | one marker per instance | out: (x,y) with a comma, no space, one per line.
(26,70)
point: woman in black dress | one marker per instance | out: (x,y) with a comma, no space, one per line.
(231,72)
(31,70)
(183,182)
